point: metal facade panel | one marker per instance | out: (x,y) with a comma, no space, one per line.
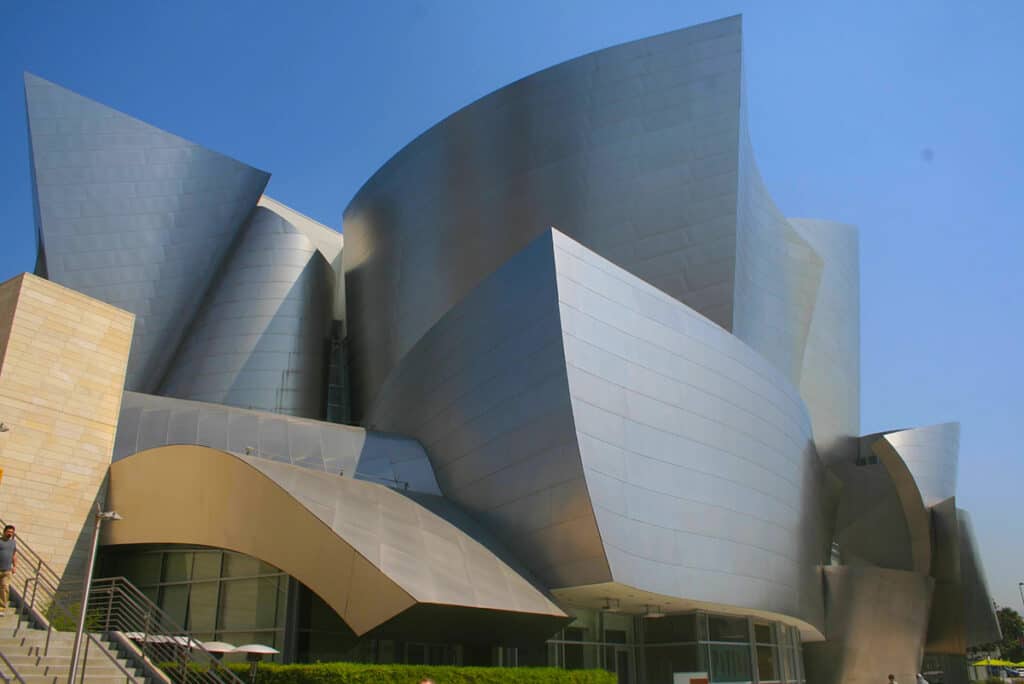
(697,452)
(876,626)
(315,445)
(980,623)
(259,339)
(132,215)
(485,392)
(830,377)
(778,274)
(631,150)
(931,453)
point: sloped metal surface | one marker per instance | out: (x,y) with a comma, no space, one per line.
(132,215)
(931,453)
(368,551)
(607,432)
(259,339)
(631,150)
(148,421)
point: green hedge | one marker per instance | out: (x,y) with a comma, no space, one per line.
(359,673)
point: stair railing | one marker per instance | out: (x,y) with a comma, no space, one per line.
(115,606)
(120,606)
(14,671)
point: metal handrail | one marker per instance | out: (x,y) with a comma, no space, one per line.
(46,587)
(14,670)
(163,640)
(121,606)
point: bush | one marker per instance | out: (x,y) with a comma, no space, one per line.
(360,673)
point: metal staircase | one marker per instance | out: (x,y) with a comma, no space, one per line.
(126,633)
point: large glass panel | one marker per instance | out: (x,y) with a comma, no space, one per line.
(177,566)
(671,629)
(730,663)
(764,633)
(202,606)
(238,605)
(727,629)
(664,661)
(140,568)
(174,601)
(572,654)
(237,565)
(206,565)
(786,661)
(767,664)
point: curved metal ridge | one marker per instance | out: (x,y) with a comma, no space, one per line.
(367,551)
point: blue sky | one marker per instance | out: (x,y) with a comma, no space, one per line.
(901,118)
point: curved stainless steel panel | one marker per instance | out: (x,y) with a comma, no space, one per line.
(881,520)
(368,551)
(980,623)
(931,453)
(876,626)
(631,150)
(830,378)
(777,273)
(259,340)
(696,450)
(149,421)
(485,392)
(693,453)
(132,215)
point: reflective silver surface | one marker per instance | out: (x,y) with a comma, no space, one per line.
(149,421)
(876,624)
(830,377)
(132,215)
(590,395)
(931,453)
(631,150)
(980,623)
(368,551)
(259,339)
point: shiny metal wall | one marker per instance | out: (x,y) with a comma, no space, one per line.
(830,377)
(931,453)
(565,390)
(876,624)
(980,623)
(631,150)
(149,421)
(697,452)
(777,273)
(132,215)
(485,392)
(368,551)
(260,339)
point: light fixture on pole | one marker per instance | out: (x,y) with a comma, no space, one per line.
(1020,587)
(80,630)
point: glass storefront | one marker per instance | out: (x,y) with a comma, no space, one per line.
(226,596)
(217,595)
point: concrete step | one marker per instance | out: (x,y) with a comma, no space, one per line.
(62,661)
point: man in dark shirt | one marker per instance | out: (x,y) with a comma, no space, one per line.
(8,564)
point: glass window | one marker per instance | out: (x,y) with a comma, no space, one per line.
(764,633)
(206,565)
(728,629)
(174,601)
(238,605)
(671,629)
(237,565)
(202,606)
(730,663)
(767,664)
(140,568)
(664,661)
(177,566)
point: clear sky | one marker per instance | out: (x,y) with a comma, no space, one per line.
(903,118)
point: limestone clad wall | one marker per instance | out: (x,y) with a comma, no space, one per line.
(63,357)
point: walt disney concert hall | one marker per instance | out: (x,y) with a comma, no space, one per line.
(569,390)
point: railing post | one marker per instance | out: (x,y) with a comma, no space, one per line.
(85,659)
(110,607)
(35,581)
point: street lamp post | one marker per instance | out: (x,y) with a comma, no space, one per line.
(80,630)
(1020,587)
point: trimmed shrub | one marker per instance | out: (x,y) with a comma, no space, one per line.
(360,673)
